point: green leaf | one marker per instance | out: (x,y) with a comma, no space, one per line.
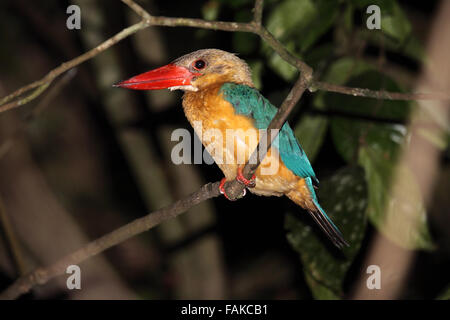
(339,73)
(318,56)
(395,203)
(343,69)
(302,20)
(445,295)
(387,5)
(411,47)
(325,16)
(394,110)
(257,68)
(244,43)
(348,134)
(393,20)
(376,146)
(319,290)
(235,4)
(210,10)
(281,67)
(298,24)
(290,17)
(396,24)
(348,17)
(344,198)
(310,131)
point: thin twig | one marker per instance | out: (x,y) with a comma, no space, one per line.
(284,53)
(258,11)
(37,92)
(251,27)
(138,9)
(233,188)
(10,140)
(49,77)
(377,94)
(43,275)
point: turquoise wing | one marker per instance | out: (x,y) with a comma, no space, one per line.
(249,102)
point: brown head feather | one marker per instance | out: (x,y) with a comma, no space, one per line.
(221,66)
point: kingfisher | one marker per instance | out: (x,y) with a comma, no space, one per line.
(220,95)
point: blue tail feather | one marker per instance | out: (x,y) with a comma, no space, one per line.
(322,219)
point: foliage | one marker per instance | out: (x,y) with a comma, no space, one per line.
(325,267)
(368,134)
(445,295)
(355,144)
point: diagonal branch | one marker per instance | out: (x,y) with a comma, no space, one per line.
(138,9)
(43,275)
(210,190)
(53,74)
(233,188)
(251,27)
(42,86)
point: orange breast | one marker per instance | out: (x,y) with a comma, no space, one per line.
(231,138)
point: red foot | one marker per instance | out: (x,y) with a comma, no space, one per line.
(222,189)
(249,183)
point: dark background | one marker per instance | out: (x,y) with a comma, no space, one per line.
(80,151)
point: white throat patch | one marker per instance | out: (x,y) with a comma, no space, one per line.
(185,88)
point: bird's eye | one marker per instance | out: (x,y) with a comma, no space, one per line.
(199,64)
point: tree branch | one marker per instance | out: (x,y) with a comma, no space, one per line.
(233,188)
(42,275)
(49,77)
(37,92)
(10,140)
(138,9)
(377,94)
(258,12)
(252,27)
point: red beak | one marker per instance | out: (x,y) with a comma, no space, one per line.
(162,78)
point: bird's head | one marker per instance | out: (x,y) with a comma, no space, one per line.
(193,72)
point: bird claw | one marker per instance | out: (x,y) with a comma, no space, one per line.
(249,183)
(222,190)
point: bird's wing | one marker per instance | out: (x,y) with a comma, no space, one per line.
(249,102)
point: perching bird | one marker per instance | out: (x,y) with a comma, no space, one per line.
(219,92)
